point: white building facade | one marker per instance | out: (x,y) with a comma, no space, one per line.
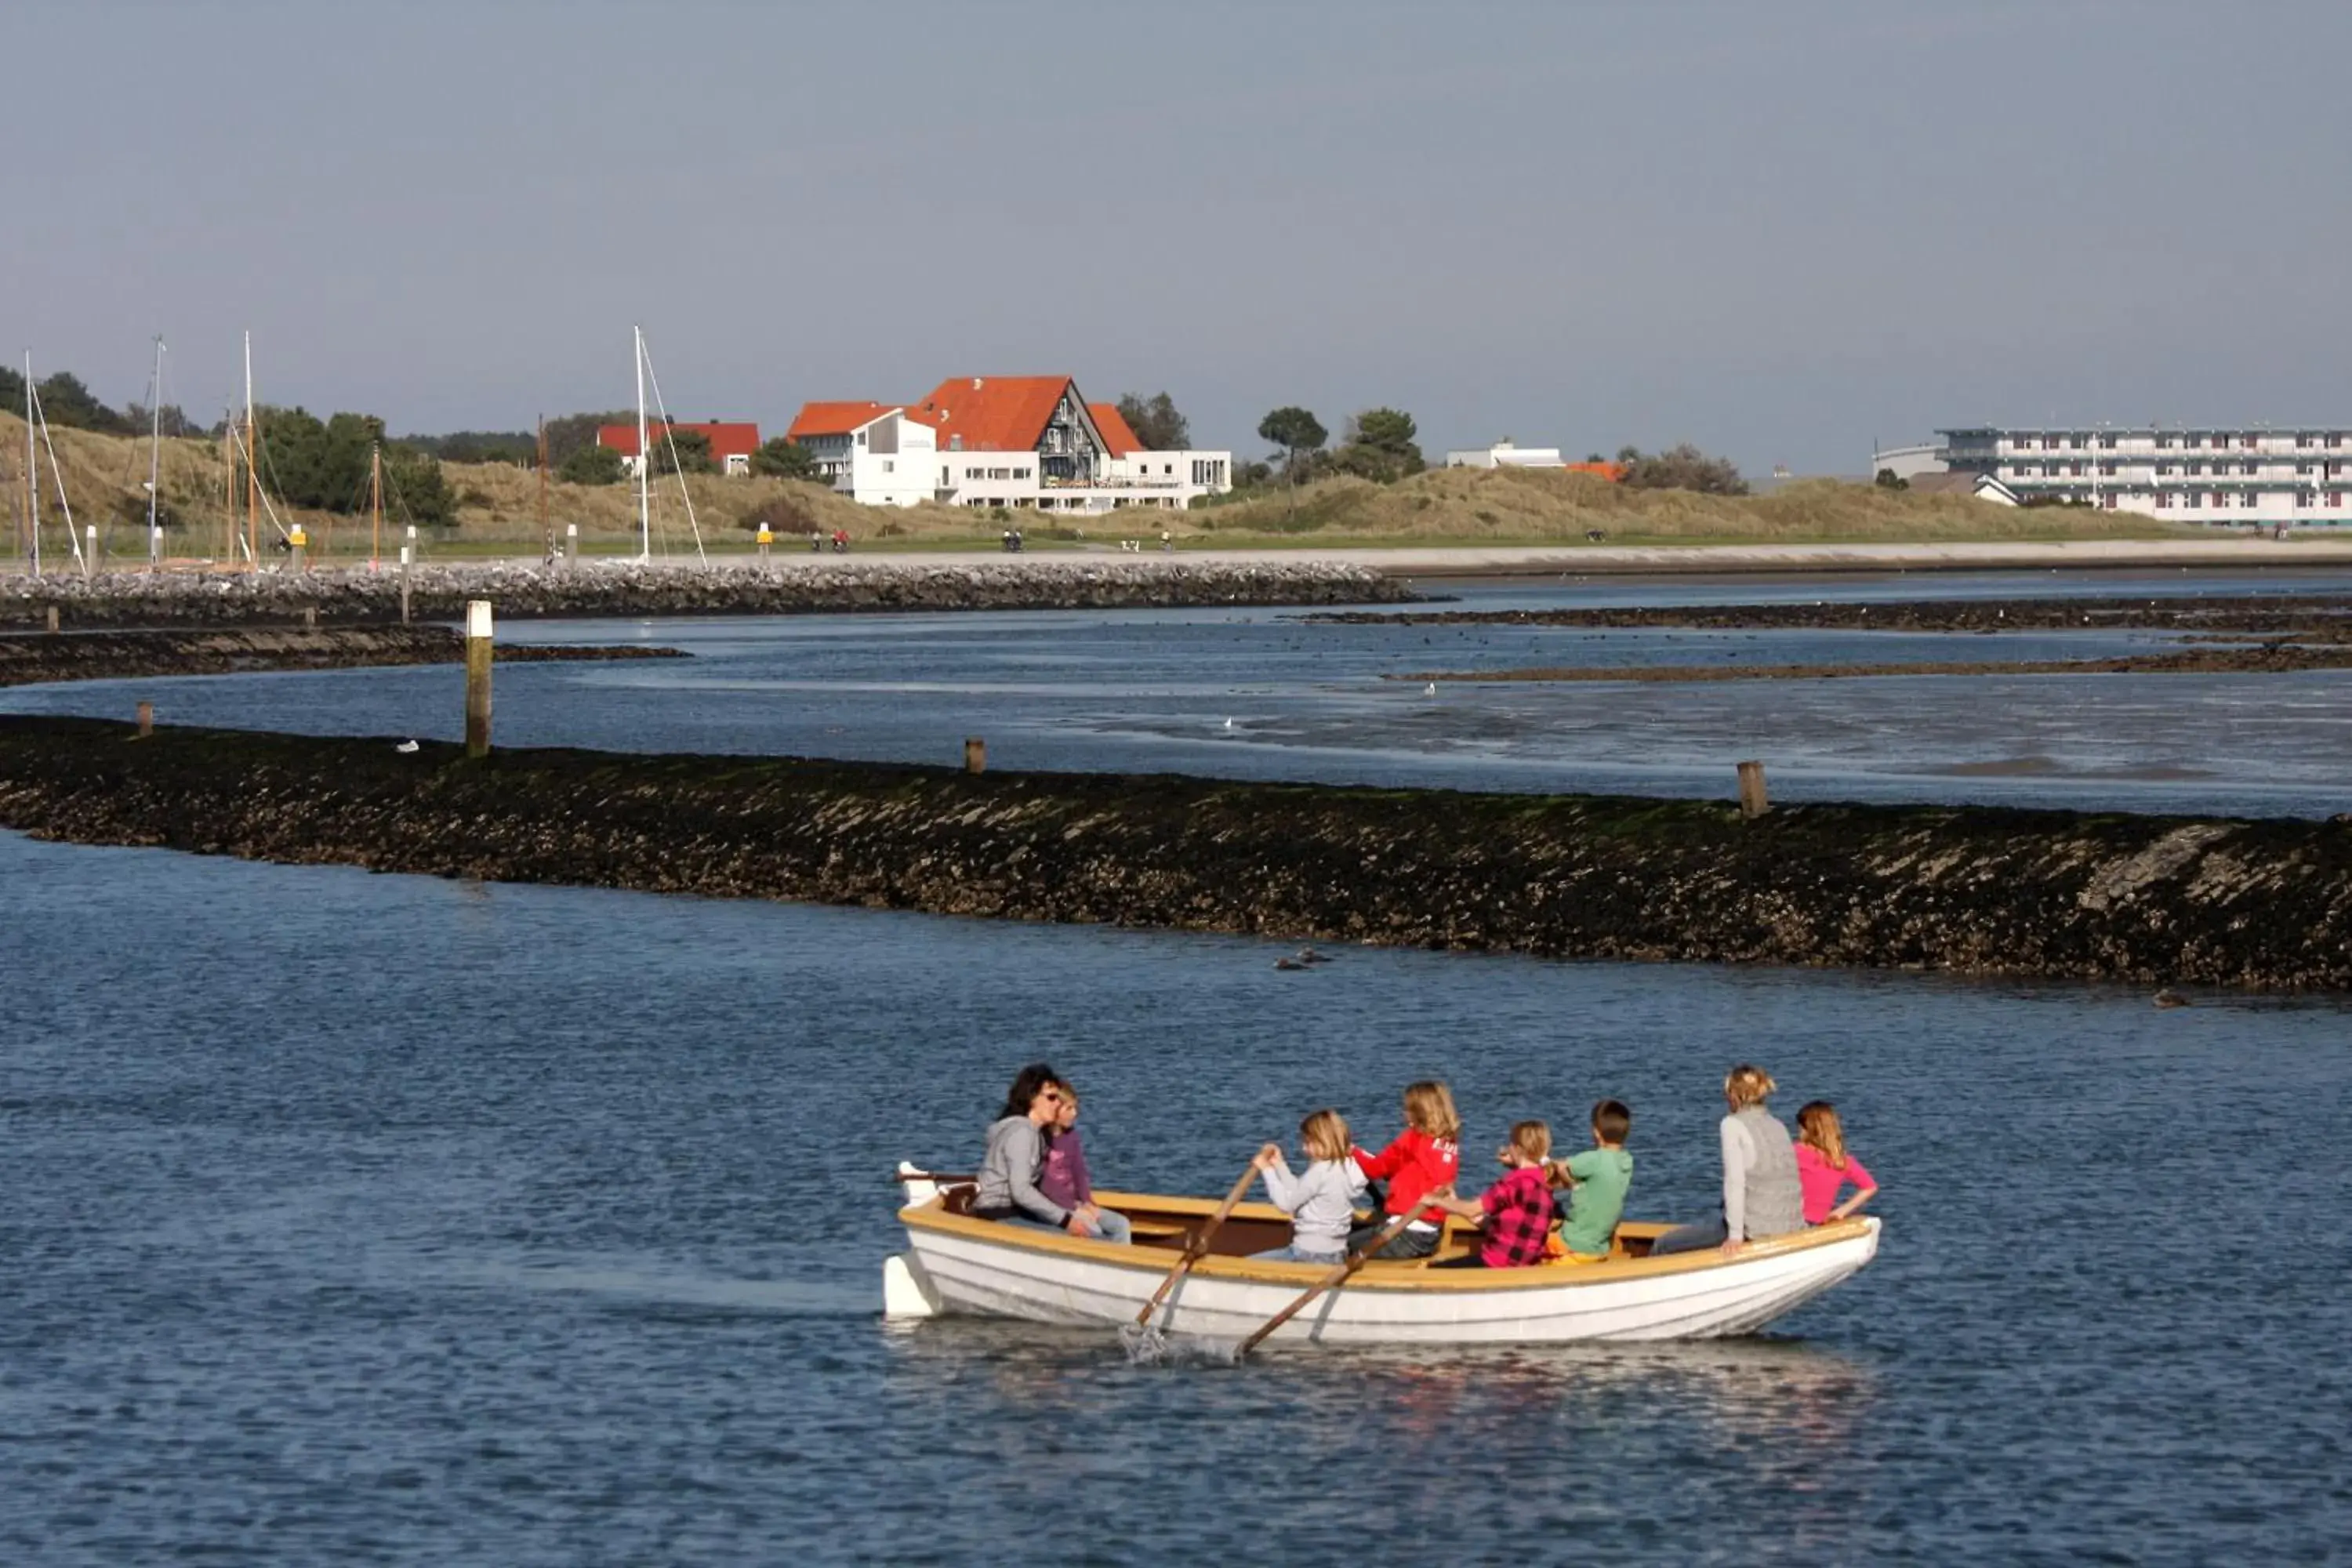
(1022,443)
(2268,477)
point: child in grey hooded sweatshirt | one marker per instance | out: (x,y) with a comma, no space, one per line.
(1320,1200)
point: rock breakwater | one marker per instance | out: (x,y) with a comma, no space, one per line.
(1968,891)
(126,654)
(828,586)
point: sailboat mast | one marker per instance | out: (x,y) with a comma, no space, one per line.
(155,460)
(252,467)
(546,527)
(32,474)
(645,460)
(375,506)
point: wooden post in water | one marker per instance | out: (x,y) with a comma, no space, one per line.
(146,720)
(404,584)
(1753,802)
(90,549)
(975,755)
(570,543)
(477,677)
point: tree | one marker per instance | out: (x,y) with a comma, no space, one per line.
(691,450)
(1381,446)
(1681,467)
(1888,480)
(66,403)
(1156,421)
(591,465)
(168,420)
(570,433)
(783,459)
(415,490)
(519,447)
(1295,430)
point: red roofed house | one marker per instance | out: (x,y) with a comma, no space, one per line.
(1008,441)
(731,445)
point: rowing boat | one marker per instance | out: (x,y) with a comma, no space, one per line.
(956,1263)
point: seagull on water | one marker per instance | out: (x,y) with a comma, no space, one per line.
(1229,723)
(1430,690)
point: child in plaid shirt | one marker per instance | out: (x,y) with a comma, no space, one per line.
(1516,1212)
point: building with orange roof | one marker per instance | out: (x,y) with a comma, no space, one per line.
(731,442)
(1019,441)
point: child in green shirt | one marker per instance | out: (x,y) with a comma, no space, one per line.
(1597,1179)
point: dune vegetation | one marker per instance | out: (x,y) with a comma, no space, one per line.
(498,511)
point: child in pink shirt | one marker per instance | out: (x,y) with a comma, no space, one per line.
(1823,1167)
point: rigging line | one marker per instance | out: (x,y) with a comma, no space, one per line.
(670,438)
(57,472)
(263,490)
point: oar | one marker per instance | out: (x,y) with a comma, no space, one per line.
(1197,1248)
(1339,1275)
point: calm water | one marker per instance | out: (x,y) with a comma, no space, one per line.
(1261,693)
(372,1219)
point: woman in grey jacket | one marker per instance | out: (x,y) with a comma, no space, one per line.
(1017,1152)
(1761,1193)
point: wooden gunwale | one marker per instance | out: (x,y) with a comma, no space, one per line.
(1402,1278)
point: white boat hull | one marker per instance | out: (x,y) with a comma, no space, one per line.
(959,1265)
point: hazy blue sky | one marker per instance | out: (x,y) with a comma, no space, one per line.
(1777,227)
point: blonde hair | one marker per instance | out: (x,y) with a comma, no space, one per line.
(1429,1108)
(1817,1125)
(1324,1135)
(1532,1139)
(1747,1085)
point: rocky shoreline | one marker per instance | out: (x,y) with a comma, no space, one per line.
(601,588)
(2257,658)
(1968,890)
(127,655)
(2305,618)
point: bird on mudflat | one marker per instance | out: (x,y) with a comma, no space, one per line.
(407,746)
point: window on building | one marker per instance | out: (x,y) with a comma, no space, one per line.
(2075,443)
(2163,469)
(2050,443)
(2247,442)
(1019,473)
(2334,498)
(2249,500)
(2333,441)
(2107,501)
(2107,468)
(2075,469)
(2221,498)
(2249,468)
(2302,443)
(2106,443)
(2164,500)
(889,464)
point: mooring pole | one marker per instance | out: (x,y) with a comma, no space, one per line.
(404,584)
(90,550)
(477,677)
(146,720)
(570,543)
(975,755)
(1753,802)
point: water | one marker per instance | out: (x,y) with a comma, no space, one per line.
(1264,694)
(372,1219)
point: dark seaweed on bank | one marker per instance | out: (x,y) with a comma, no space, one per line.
(1971,890)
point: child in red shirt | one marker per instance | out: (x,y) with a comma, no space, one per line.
(1516,1212)
(1424,1159)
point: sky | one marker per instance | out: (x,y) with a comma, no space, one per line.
(1783,229)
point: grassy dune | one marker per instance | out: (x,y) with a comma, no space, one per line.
(105,476)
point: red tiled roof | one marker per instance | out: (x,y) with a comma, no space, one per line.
(994,413)
(727,440)
(1116,433)
(835,418)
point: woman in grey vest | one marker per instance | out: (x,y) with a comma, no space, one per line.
(1761,1194)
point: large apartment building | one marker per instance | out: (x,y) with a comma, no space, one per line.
(2267,476)
(1029,441)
